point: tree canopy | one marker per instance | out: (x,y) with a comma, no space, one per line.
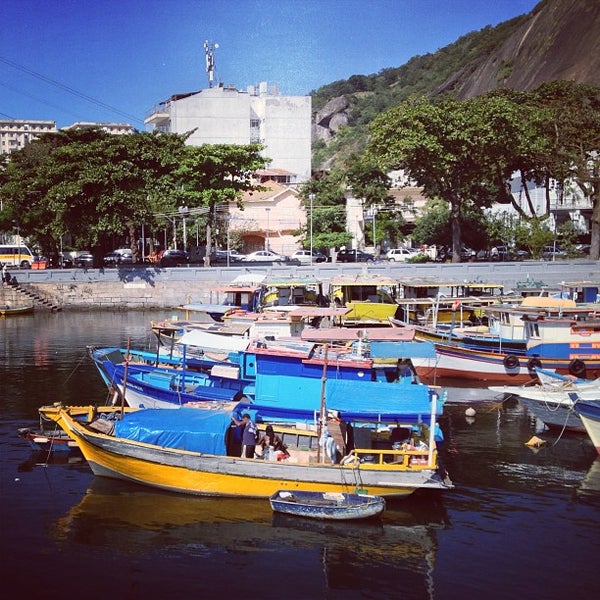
(93,186)
(466,152)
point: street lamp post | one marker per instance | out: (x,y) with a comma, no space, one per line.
(268,227)
(311,197)
(184,212)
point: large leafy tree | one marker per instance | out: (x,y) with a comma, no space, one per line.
(89,185)
(210,176)
(572,130)
(93,186)
(458,151)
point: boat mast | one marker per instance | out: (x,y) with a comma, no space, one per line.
(322,410)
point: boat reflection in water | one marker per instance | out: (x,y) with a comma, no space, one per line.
(139,522)
(589,489)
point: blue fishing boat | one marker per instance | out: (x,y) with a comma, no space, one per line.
(283,378)
(334,506)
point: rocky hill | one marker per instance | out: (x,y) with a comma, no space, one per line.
(558,39)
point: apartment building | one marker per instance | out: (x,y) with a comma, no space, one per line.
(226,115)
(16,133)
(113,128)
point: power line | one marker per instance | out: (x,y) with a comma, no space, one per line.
(68,89)
(9,87)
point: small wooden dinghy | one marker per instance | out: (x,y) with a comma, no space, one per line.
(327,505)
(53,441)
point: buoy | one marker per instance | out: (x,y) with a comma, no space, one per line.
(535,442)
(470,412)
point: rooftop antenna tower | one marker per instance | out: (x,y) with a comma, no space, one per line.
(209,49)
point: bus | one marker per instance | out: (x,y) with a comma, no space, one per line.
(13,255)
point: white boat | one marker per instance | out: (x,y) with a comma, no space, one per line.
(554,399)
(589,413)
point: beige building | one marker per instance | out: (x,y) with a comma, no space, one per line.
(269,219)
(226,115)
(16,133)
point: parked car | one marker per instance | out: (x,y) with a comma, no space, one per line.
(264,256)
(120,256)
(553,251)
(173,258)
(582,249)
(466,254)
(400,254)
(84,260)
(222,257)
(508,253)
(303,256)
(354,256)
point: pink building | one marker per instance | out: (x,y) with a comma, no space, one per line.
(270,219)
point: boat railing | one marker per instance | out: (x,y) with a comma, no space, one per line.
(413,459)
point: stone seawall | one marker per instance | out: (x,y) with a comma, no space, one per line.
(148,288)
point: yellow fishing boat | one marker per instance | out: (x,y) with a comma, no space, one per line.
(187,450)
(371,299)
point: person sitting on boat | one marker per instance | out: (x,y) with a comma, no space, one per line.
(249,435)
(272,445)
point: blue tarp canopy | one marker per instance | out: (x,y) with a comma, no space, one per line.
(300,397)
(192,429)
(402,350)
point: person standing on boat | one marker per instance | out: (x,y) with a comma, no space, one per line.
(249,435)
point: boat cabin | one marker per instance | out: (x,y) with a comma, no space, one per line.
(370,298)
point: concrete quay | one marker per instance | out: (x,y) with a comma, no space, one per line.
(140,288)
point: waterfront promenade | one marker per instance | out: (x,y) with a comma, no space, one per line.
(133,287)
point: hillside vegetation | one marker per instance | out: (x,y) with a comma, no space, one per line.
(559,39)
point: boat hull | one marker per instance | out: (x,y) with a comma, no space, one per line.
(492,367)
(589,412)
(555,415)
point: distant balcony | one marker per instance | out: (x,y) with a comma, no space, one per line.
(160,115)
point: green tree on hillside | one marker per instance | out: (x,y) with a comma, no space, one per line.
(458,151)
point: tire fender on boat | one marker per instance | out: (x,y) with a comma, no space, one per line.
(577,367)
(511,361)
(534,363)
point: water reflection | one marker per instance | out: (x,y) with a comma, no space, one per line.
(138,521)
(589,489)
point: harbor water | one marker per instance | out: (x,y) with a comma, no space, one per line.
(521,522)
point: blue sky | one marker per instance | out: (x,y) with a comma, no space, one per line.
(113,60)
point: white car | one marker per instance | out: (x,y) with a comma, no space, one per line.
(264,256)
(303,257)
(400,254)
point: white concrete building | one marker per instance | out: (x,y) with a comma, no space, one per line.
(113,128)
(226,115)
(16,133)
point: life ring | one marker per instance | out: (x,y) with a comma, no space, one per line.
(511,361)
(577,367)
(534,363)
